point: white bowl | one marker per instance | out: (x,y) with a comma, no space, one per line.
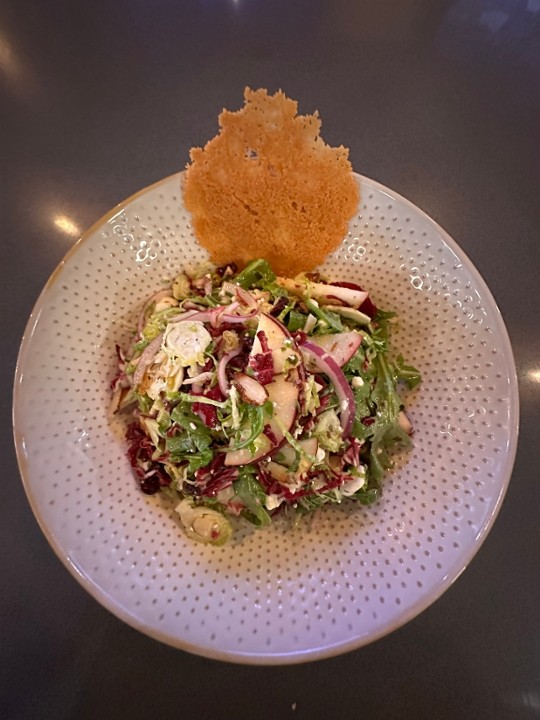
(278,595)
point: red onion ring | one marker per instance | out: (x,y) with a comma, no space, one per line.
(189,315)
(225,317)
(246,298)
(216,316)
(202,378)
(222,365)
(216,313)
(326,364)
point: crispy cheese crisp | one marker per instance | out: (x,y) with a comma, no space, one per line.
(269,186)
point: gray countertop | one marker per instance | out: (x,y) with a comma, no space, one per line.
(439,101)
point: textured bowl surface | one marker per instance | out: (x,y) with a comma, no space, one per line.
(278,595)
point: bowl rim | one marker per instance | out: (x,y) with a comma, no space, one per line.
(299,656)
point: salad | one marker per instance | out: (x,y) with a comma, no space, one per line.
(254,395)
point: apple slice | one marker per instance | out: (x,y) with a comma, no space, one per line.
(328,294)
(263,446)
(288,454)
(341,346)
(283,394)
(276,335)
(350,313)
(325,294)
(279,472)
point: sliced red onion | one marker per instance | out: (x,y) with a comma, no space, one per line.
(246,298)
(326,364)
(202,316)
(203,283)
(154,299)
(202,378)
(147,355)
(230,308)
(225,317)
(216,313)
(190,305)
(222,366)
(216,316)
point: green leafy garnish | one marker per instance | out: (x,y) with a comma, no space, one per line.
(329,318)
(311,461)
(252,494)
(257,273)
(406,373)
(254,422)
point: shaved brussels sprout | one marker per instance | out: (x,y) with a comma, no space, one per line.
(203,524)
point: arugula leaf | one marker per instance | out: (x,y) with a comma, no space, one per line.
(331,319)
(275,290)
(309,503)
(183,415)
(382,316)
(188,442)
(363,408)
(192,446)
(295,321)
(164,422)
(355,366)
(406,373)
(255,421)
(145,403)
(253,496)
(257,273)
(366,496)
(199,460)
(377,342)
(387,432)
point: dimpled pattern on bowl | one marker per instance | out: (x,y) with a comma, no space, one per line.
(281,594)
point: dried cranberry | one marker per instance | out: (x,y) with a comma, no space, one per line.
(279,306)
(222,269)
(150,485)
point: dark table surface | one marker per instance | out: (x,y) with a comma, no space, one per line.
(437,100)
